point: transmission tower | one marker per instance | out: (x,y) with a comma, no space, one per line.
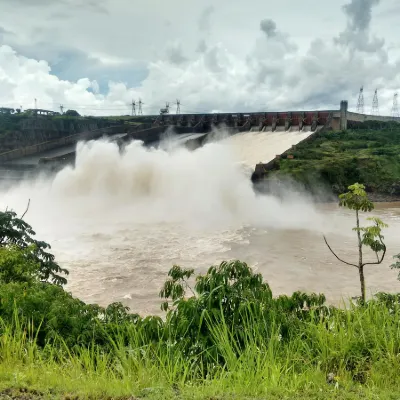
(133,107)
(375,104)
(360,103)
(178,106)
(140,107)
(62,109)
(35,104)
(395,108)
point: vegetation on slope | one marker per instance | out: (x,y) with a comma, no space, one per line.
(224,335)
(335,160)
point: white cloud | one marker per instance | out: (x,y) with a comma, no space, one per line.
(272,72)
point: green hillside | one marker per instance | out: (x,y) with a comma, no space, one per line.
(337,159)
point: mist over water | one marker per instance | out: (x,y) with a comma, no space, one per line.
(119,221)
(206,188)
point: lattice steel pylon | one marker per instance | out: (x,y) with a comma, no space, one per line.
(133,108)
(178,106)
(360,103)
(375,104)
(395,108)
(140,107)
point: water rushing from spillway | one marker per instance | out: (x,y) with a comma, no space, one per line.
(118,222)
(255,147)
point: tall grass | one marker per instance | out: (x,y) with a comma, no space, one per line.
(360,345)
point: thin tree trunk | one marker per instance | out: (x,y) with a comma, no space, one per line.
(362,283)
(360,260)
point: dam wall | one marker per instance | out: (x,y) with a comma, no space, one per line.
(53,144)
(153,131)
(295,120)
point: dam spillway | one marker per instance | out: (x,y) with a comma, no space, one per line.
(262,147)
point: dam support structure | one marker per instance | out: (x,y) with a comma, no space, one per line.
(343,114)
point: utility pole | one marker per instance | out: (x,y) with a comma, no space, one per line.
(395,108)
(62,109)
(133,108)
(360,103)
(178,106)
(140,107)
(375,104)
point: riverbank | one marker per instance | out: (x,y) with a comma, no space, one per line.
(255,346)
(284,187)
(348,357)
(331,161)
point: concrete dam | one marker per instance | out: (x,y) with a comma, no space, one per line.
(259,138)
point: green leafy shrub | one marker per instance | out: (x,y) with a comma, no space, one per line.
(16,233)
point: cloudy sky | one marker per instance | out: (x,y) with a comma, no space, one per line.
(256,55)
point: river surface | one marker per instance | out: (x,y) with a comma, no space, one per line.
(119,223)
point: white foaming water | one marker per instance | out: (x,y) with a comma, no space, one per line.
(201,189)
(118,222)
(255,147)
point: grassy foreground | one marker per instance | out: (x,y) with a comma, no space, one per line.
(360,346)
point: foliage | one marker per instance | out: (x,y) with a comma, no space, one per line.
(230,292)
(14,231)
(55,313)
(396,264)
(356,199)
(72,113)
(358,345)
(17,265)
(335,160)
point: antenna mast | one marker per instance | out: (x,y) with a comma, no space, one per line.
(395,108)
(360,103)
(375,104)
